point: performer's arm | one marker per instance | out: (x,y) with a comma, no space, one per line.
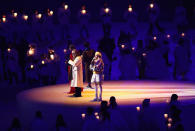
(76,62)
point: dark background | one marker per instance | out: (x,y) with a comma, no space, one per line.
(167,7)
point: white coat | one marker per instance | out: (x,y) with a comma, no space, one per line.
(77,72)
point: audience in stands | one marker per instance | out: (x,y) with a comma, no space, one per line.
(39,123)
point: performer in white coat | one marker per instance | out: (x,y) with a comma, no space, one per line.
(97,66)
(77,72)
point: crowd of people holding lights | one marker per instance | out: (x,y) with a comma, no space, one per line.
(34,47)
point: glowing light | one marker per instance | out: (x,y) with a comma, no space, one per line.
(43,62)
(96,113)
(165,116)
(155,38)
(83,11)
(97,117)
(8,49)
(169,125)
(50,13)
(130,9)
(138,108)
(182,34)
(65,50)
(15,14)
(52,56)
(151,5)
(39,16)
(4,19)
(168,36)
(133,48)
(144,54)
(170,120)
(65,7)
(31,51)
(25,17)
(83,116)
(106,10)
(31,66)
(123,46)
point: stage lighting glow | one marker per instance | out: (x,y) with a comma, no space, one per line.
(65,7)
(165,116)
(43,62)
(106,10)
(25,17)
(130,9)
(138,108)
(15,14)
(83,116)
(133,48)
(151,5)
(31,66)
(122,46)
(83,11)
(168,36)
(8,49)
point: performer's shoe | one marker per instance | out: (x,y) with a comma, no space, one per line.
(95,99)
(89,87)
(75,95)
(100,99)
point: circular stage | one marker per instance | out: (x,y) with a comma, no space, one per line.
(126,93)
(52,100)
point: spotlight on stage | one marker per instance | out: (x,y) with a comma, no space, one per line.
(130,9)
(133,48)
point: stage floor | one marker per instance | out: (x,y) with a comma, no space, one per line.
(126,93)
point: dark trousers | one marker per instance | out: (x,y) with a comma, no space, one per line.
(77,92)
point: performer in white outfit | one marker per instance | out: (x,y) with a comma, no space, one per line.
(97,66)
(77,72)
